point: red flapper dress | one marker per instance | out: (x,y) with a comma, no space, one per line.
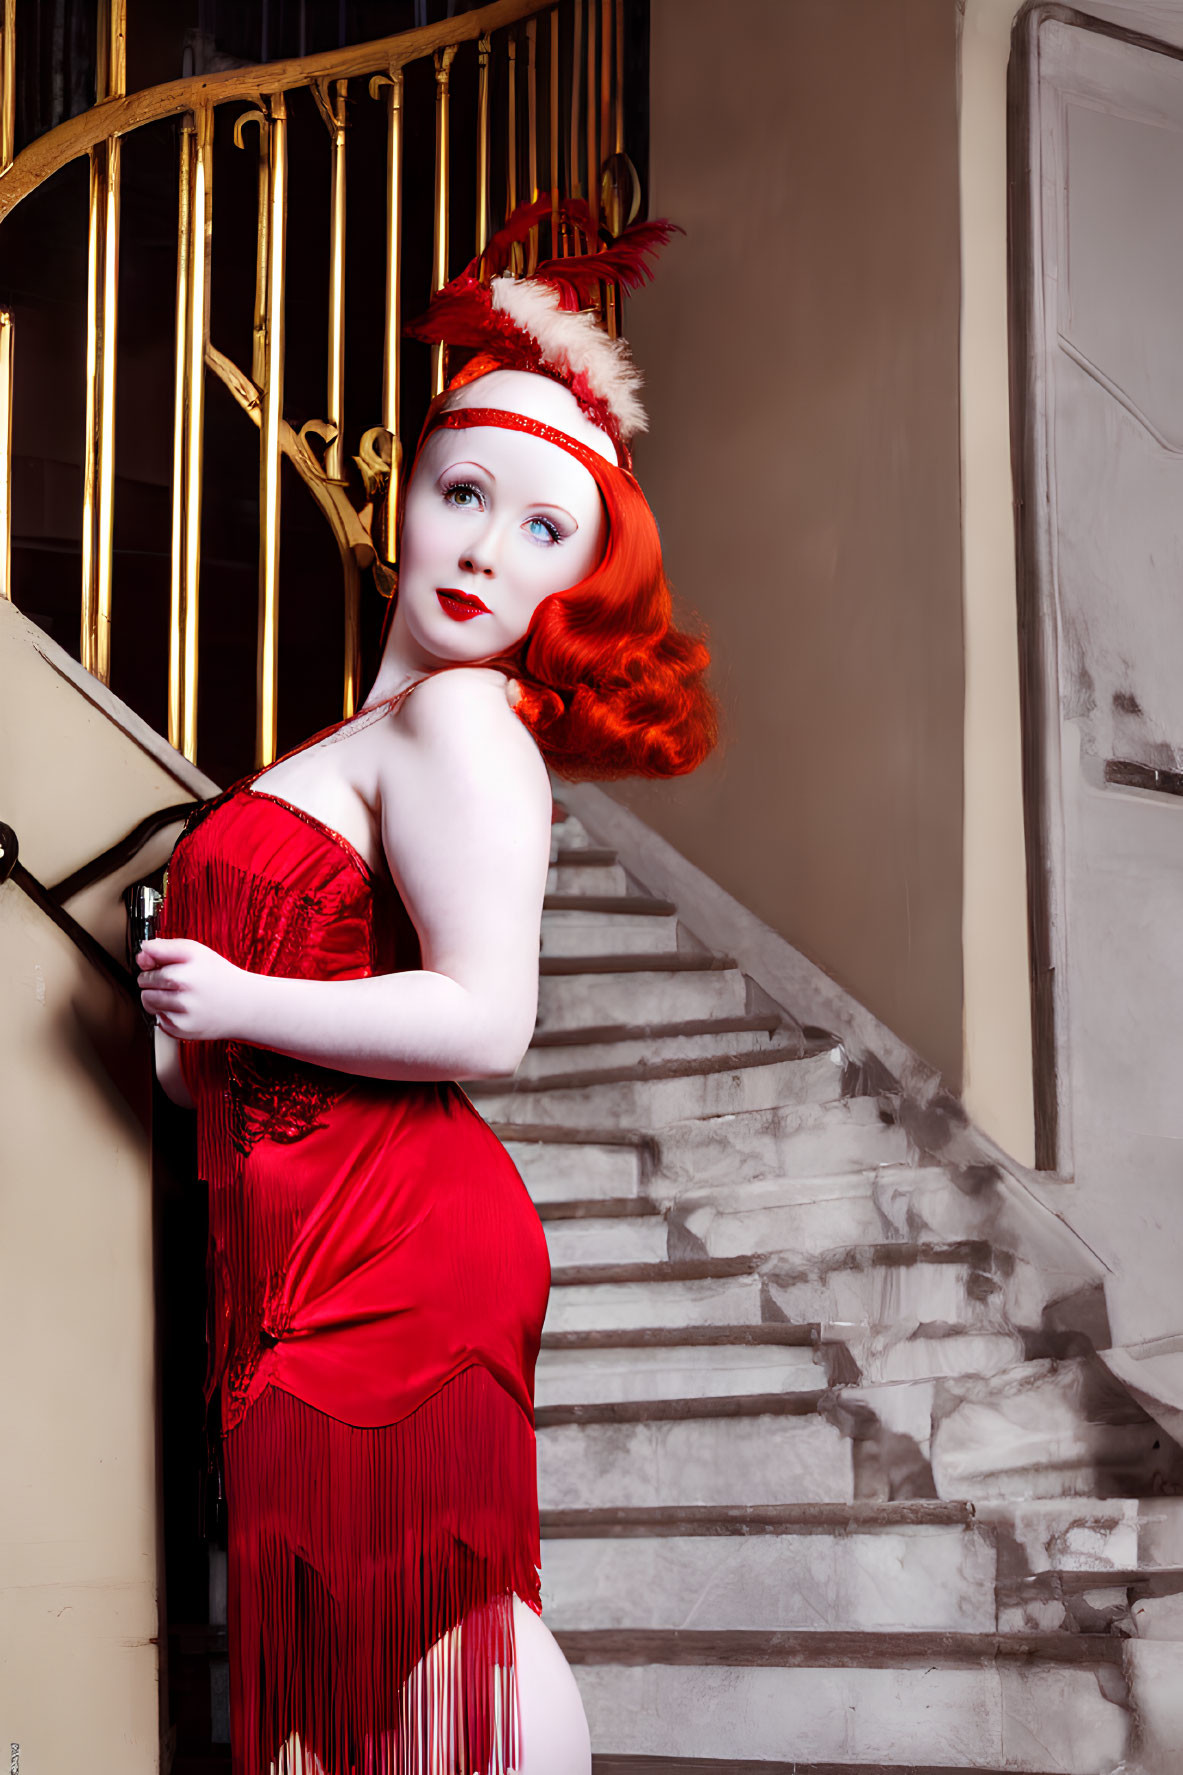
(378,1279)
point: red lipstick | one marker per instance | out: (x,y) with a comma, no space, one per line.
(460,606)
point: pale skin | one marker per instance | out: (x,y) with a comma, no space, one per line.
(451,794)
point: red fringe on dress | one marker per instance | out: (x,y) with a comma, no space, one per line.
(352,1553)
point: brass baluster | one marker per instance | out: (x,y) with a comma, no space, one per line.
(618,96)
(593,158)
(439,262)
(386,541)
(609,108)
(606,10)
(98,485)
(266,711)
(268,376)
(8,84)
(553,120)
(194,239)
(482,144)
(575,183)
(6,368)
(511,133)
(336,118)
(332,101)
(532,132)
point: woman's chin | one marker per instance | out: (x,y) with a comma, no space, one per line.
(453,643)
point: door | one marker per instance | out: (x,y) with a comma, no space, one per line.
(1097,302)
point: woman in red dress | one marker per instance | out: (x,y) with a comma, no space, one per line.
(344,934)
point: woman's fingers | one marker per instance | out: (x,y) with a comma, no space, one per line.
(158,952)
(159,980)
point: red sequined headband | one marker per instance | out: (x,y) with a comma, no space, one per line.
(463,418)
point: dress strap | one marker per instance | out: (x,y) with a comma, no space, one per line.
(336,728)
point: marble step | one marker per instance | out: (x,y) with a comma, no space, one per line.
(590,1372)
(810,1218)
(817,1142)
(1046,1536)
(802,1214)
(808,1140)
(682,990)
(586,871)
(775,1450)
(560,1165)
(567,834)
(608,1239)
(900,1353)
(675,1362)
(874,1285)
(659,1765)
(650,1096)
(595,1049)
(916,1702)
(786,1570)
(1048,1429)
(611,924)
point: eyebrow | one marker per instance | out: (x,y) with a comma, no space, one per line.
(549,505)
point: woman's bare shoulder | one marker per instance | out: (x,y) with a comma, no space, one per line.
(463,719)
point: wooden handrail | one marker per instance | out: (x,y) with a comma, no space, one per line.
(119,116)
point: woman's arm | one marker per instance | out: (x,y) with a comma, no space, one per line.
(168,1069)
(466,827)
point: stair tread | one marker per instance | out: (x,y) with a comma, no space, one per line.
(822,1648)
(600,1208)
(644,905)
(888,1255)
(640,1521)
(677,961)
(638,1072)
(644,1337)
(592,857)
(710,1405)
(604,1033)
(610,1764)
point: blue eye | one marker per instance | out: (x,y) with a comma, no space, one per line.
(548,530)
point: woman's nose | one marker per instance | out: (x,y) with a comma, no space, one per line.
(478,559)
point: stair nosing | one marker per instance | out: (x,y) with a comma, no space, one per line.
(673,961)
(643,905)
(638,1521)
(613,1763)
(600,1208)
(641,1072)
(686,1269)
(779,1334)
(903,1254)
(791,1404)
(592,857)
(601,1035)
(822,1648)
(542,1134)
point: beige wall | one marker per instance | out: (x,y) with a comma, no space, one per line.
(800,348)
(78,1486)
(998,1059)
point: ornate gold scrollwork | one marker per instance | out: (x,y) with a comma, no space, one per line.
(256,114)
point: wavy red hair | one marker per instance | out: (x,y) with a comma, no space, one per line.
(610,685)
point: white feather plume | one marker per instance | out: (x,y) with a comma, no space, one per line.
(575,342)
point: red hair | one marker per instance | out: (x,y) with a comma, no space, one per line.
(610,686)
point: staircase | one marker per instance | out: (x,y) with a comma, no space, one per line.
(832,1479)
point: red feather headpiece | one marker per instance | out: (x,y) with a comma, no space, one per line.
(542,323)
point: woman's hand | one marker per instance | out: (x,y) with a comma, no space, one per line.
(195,994)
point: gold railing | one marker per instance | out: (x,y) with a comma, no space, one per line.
(584,121)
